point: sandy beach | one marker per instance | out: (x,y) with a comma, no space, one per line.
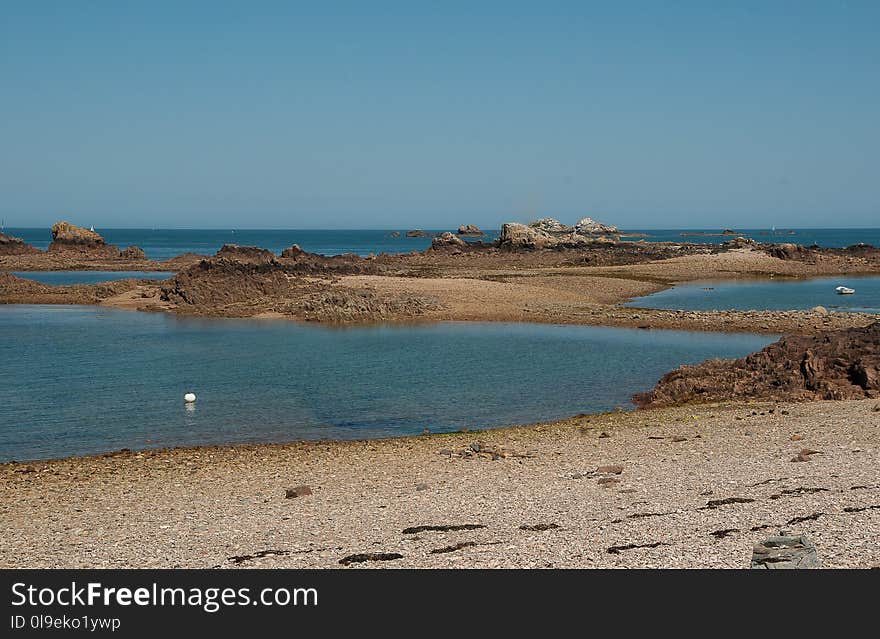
(684,487)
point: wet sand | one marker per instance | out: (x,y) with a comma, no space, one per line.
(535,495)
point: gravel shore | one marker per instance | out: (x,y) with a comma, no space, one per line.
(683,487)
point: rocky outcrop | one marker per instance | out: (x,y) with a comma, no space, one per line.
(740,243)
(589,226)
(522,236)
(65,234)
(246,253)
(841,364)
(86,243)
(306,289)
(133,253)
(788,251)
(550,226)
(292,252)
(470,230)
(10,245)
(448,240)
(417,233)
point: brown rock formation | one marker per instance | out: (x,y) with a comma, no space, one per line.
(69,238)
(133,253)
(66,234)
(448,241)
(294,252)
(10,245)
(305,289)
(841,364)
(246,253)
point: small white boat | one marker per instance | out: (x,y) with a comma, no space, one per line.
(843,290)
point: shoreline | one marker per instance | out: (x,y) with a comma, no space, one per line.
(225,506)
(473,286)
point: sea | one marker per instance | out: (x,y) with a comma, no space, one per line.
(160,244)
(77,380)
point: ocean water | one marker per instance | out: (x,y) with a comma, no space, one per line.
(89,277)
(780,294)
(84,379)
(162,244)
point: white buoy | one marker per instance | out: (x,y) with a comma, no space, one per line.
(189,398)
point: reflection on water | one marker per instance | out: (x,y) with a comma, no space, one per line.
(80,379)
(57,278)
(768,295)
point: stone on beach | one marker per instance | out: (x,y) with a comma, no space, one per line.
(297,491)
(785,552)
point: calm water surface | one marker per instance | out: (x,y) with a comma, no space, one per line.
(768,295)
(89,277)
(83,379)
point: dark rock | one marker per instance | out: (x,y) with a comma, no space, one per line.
(788,251)
(293,252)
(539,527)
(10,245)
(453,548)
(785,552)
(370,556)
(298,491)
(421,486)
(417,233)
(716,503)
(133,253)
(443,528)
(726,532)
(842,364)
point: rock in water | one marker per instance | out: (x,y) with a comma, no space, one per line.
(785,552)
(417,233)
(589,226)
(448,240)
(65,233)
(469,229)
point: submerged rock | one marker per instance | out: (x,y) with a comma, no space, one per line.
(842,364)
(785,552)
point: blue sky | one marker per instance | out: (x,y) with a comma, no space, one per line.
(416,114)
